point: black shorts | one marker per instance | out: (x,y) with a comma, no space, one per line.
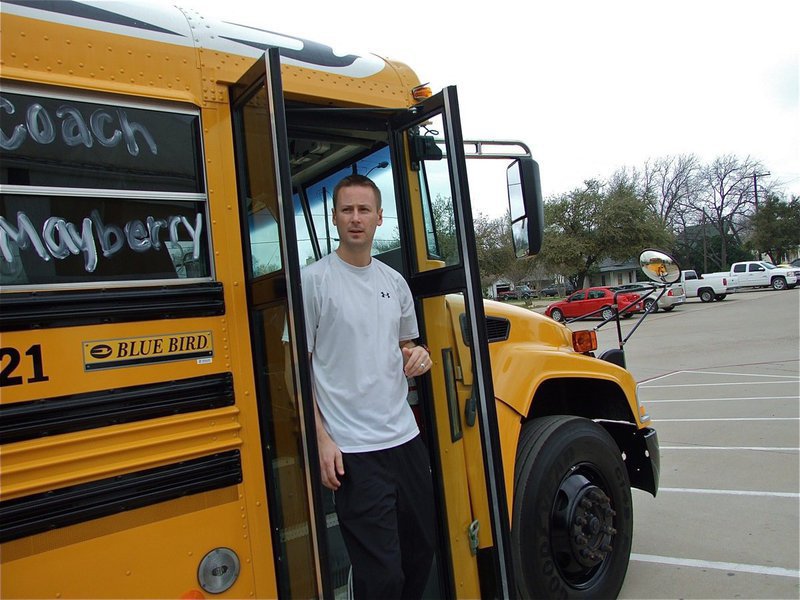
(386,513)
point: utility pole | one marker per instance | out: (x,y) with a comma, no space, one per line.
(755,194)
(755,185)
(705,247)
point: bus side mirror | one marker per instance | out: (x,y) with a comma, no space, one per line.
(526,206)
(660,266)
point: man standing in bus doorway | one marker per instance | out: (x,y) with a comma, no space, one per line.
(361,325)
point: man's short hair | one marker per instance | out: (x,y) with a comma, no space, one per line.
(354,180)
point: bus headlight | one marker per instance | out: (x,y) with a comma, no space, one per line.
(218,570)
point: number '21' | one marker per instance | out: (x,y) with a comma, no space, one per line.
(7,376)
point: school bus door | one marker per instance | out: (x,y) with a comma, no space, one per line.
(458,395)
(308,550)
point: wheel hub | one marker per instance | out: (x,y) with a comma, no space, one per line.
(582,527)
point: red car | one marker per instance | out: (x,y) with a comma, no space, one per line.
(599,299)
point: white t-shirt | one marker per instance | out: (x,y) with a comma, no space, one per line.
(356,318)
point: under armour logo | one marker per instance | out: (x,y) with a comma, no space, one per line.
(385,295)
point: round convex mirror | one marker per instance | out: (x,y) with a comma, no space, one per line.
(659,266)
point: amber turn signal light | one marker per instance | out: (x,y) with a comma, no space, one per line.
(421,92)
(584,341)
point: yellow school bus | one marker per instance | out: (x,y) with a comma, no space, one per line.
(164,178)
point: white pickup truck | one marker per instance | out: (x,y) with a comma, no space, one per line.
(708,287)
(757,273)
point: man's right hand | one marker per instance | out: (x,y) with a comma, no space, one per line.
(330,461)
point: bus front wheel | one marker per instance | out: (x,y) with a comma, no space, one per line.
(572,522)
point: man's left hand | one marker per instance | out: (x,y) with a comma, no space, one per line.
(416,361)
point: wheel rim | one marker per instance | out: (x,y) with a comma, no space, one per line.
(582,526)
(607,314)
(649,305)
(778,284)
(557,316)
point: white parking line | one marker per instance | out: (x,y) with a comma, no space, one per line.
(755,448)
(733,374)
(683,385)
(731,492)
(708,564)
(647,382)
(728,419)
(718,399)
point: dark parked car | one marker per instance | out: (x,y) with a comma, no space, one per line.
(550,290)
(521,292)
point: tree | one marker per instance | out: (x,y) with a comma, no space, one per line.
(670,182)
(496,256)
(599,221)
(776,227)
(726,199)
(494,249)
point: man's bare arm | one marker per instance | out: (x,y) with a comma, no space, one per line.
(330,457)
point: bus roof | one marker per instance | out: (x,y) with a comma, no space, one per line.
(120,41)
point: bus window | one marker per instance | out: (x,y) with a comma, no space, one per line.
(376,166)
(100,192)
(306,239)
(54,140)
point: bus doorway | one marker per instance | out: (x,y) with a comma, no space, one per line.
(290,155)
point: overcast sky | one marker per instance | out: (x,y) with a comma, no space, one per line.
(590,86)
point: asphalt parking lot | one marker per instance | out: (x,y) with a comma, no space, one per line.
(722,384)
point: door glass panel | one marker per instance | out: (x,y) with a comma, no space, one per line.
(289,514)
(265,243)
(259,187)
(280,411)
(437,199)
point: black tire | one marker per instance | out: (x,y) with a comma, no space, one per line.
(706,295)
(668,308)
(557,315)
(572,516)
(779,283)
(650,302)
(720,297)
(607,314)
